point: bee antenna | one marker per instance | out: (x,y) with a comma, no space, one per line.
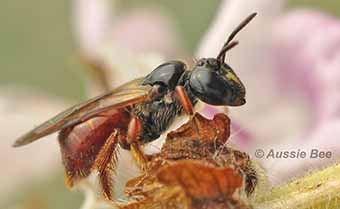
(229,44)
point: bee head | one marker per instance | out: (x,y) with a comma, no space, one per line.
(214,82)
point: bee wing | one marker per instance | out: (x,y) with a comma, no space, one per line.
(125,95)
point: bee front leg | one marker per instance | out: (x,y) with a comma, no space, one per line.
(183,97)
(185,100)
(134,134)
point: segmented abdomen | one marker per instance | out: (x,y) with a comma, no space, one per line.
(80,144)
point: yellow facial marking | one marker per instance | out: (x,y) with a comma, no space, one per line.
(230,75)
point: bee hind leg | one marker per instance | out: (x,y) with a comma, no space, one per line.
(106,163)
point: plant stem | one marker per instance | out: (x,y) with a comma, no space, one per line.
(320,189)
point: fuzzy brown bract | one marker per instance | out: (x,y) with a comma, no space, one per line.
(194,170)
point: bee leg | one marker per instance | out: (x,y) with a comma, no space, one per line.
(185,101)
(187,105)
(106,163)
(134,134)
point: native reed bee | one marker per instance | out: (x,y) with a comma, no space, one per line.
(138,112)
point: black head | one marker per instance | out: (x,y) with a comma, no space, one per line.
(214,82)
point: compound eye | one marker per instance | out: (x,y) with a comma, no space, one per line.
(166,74)
(209,87)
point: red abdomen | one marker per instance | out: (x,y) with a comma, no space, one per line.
(80,144)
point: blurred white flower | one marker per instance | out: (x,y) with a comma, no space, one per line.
(92,22)
(126,45)
(20,109)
